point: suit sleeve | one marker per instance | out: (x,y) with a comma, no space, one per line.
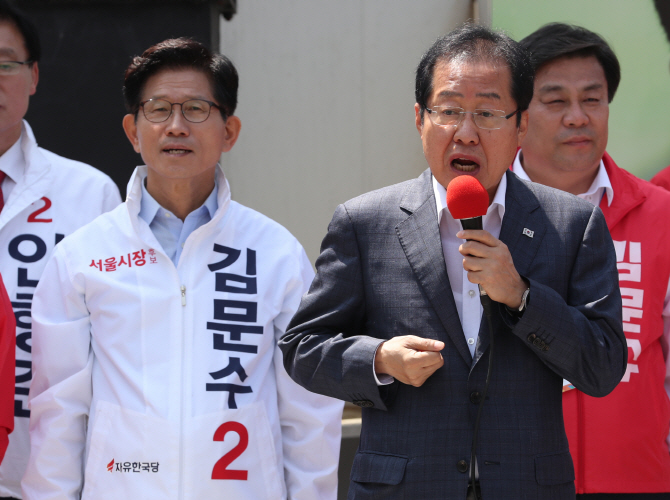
(581,337)
(324,349)
(60,393)
(7,368)
(311,424)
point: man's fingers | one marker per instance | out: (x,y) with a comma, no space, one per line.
(409,359)
(473,264)
(421,344)
(434,362)
(425,359)
(478,235)
(476,249)
(419,376)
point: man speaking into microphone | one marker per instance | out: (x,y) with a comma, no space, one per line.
(393,321)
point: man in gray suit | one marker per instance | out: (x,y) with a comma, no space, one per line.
(392,321)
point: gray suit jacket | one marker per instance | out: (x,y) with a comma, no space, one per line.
(381,273)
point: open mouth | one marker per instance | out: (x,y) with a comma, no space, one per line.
(464,165)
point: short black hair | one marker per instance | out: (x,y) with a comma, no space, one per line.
(557,40)
(474,42)
(10,14)
(182,53)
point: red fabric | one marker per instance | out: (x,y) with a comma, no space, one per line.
(662,178)
(2,197)
(618,443)
(7,369)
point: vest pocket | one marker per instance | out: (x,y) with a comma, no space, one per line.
(554,468)
(127,456)
(382,468)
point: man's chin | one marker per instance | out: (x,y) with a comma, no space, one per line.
(578,161)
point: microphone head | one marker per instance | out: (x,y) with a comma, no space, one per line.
(467,198)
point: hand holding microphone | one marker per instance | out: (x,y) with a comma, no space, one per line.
(486,258)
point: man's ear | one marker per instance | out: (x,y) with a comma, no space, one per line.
(418,118)
(35,75)
(523,127)
(130,128)
(233,126)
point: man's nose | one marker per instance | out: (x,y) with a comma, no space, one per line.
(575,116)
(176,123)
(466,131)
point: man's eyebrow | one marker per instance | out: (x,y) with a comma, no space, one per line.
(594,86)
(9,52)
(187,98)
(556,87)
(489,95)
(449,93)
(550,88)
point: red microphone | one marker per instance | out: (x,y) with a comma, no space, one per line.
(467,200)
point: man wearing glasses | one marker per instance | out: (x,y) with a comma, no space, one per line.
(393,320)
(43,197)
(156,367)
(619,443)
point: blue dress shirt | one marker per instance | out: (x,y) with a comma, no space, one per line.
(169,229)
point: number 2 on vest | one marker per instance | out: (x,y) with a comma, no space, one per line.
(220,470)
(47,205)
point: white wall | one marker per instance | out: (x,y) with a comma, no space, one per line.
(327,101)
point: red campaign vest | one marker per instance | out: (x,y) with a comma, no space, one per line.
(618,443)
(662,179)
(7,355)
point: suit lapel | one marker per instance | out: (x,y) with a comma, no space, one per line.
(522,231)
(419,236)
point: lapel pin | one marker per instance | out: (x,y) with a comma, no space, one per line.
(528,232)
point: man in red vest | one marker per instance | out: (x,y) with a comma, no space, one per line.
(7,362)
(619,443)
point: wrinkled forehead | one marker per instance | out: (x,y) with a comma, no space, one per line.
(460,76)
(191,82)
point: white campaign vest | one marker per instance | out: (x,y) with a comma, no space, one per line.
(177,368)
(55,197)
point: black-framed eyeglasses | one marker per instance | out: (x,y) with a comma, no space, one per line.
(193,110)
(487,119)
(12,67)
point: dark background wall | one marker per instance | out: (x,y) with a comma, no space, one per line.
(86,46)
